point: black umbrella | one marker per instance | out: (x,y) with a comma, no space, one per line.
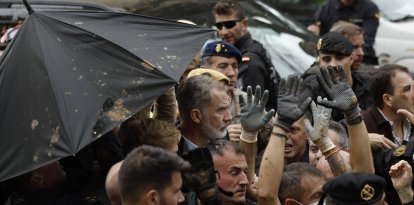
(69,77)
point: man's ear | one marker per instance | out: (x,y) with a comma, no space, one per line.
(289,201)
(245,22)
(196,115)
(152,197)
(386,98)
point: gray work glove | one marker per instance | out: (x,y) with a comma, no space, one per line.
(340,93)
(253,116)
(318,133)
(201,178)
(289,106)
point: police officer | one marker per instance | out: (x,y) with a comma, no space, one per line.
(335,50)
(384,160)
(363,13)
(256,68)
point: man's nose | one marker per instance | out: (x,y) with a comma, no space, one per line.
(243,180)
(180,197)
(227,116)
(229,72)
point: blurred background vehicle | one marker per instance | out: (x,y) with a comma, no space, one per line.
(13,13)
(394,43)
(395,36)
(291,47)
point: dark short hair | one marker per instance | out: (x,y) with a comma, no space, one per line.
(347,29)
(146,168)
(381,82)
(342,134)
(292,177)
(218,146)
(195,93)
(229,7)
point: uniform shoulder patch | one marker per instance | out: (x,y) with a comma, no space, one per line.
(399,151)
(245,59)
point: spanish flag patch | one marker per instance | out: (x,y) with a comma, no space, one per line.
(245,59)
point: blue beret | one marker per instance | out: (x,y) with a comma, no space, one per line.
(221,48)
(355,188)
(335,43)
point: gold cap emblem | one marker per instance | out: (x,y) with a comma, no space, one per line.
(367,192)
(218,48)
(399,151)
(319,44)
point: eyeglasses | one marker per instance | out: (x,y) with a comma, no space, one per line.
(227,24)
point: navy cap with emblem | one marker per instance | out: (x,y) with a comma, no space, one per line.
(355,188)
(221,48)
(335,43)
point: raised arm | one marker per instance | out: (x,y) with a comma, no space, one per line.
(289,110)
(253,117)
(343,98)
(318,133)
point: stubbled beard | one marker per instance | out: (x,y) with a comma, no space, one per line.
(211,132)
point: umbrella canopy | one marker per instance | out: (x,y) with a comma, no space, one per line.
(69,77)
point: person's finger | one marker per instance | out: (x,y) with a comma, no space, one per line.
(295,83)
(265,96)
(407,114)
(257,95)
(249,94)
(322,82)
(326,77)
(314,108)
(385,146)
(308,126)
(289,83)
(304,106)
(242,102)
(342,74)
(300,86)
(282,87)
(389,143)
(326,103)
(333,75)
(268,116)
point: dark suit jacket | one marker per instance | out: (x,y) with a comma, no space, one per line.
(376,123)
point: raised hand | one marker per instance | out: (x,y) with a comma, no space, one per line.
(253,116)
(340,93)
(202,177)
(318,133)
(289,107)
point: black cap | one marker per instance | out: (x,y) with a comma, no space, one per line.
(355,188)
(221,48)
(335,43)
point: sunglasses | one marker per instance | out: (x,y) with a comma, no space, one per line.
(227,24)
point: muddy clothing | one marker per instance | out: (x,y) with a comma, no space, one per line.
(363,13)
(256,68)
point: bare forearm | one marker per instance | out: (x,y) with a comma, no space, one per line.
(271,169)
(406,195)
(250,150)
(338,164)
(360,149)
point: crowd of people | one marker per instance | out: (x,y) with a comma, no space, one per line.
(234,132)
